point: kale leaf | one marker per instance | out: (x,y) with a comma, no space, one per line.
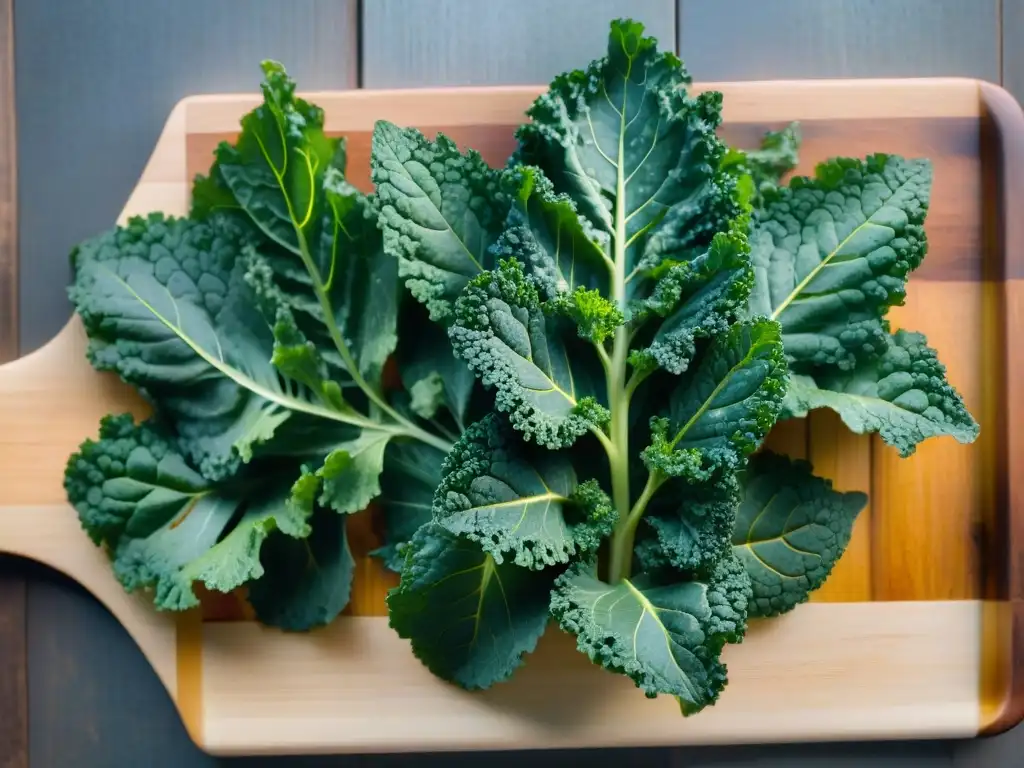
(258,327)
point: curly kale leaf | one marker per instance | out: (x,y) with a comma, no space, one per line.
(689,527)
(832,253)
(440,212)
(559,249)
(666,635)
(692,300)
(167,305)
(287,178)
(164,525)
(437,380)
(759,171)
(903,396)
(647,220)
(306,582)
(721,411)
(545,380)
(634,152)
(470,619)
(190,315)
(275,169)
(412,473)
(519,502)
(791,529)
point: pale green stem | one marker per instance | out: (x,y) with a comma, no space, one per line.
(408,428)
(618,398)
(603,439)
(635,381)
(602,355)
(621,558)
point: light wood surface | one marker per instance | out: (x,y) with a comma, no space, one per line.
(850,672)
(823,672)
(908,666)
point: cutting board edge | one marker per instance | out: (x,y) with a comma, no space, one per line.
(1001,107)
(1003,673)
(790,100)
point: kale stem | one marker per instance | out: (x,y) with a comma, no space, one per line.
(602,355)
(621,558)
(409,429)
(603,439)
(618,397)
(635,381)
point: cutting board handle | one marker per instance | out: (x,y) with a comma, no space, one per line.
(50,401)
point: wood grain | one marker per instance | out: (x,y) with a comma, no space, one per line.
(788,437)
(409,43)
(823,672)
(845,459)
(1002,522)
(929,505)
(839,38)
(13,669)
(13,587)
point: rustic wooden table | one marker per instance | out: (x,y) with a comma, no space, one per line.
(90,91)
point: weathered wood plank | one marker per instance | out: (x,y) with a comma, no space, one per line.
(8,188)
(13,589)
(408,43)
(1012,35)
(13,661)
(94,698)
(755,40)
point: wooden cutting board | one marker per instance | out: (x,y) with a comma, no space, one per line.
(917,634)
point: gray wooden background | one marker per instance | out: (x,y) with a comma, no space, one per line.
(96,79)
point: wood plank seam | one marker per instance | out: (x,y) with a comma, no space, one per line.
(13,586)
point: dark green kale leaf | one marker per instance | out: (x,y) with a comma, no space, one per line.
(517,501)
(258,328)
(440,212)
(470,618)
(832,253)
(791,529)
(902,395)
(164,525)
(306,582)
(546,380)
(667,635)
